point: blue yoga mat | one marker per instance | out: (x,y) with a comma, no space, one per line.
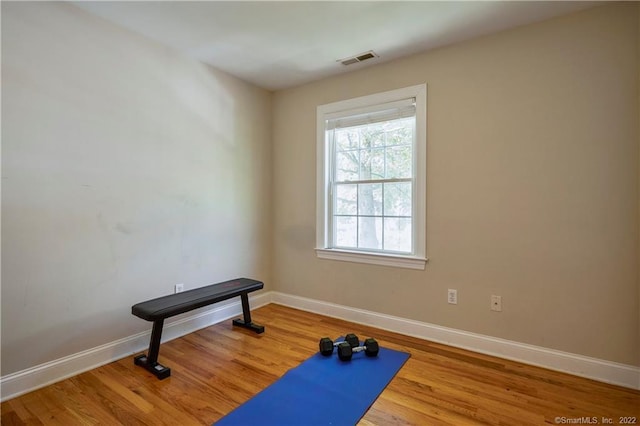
(321,391)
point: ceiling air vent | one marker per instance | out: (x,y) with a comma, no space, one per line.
(358,58)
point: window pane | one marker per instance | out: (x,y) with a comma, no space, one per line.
(400,132)
(372,136)
(370,233)
(399,162)
(346,232)
(397,234)
(372,164)
(370,199)
(347,166)
(346,199)
(346,139)
(377,138)
(397,199)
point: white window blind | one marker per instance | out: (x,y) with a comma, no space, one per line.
(386,112)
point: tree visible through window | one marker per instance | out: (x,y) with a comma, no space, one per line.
(372,186)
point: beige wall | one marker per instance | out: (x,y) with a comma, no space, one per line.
(126,168)
(532,187)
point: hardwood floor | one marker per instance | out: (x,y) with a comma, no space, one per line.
(218,368)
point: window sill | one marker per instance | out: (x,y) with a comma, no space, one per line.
(410,262)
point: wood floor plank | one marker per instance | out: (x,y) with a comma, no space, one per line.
(216,369)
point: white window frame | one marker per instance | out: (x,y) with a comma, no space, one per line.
(416,260)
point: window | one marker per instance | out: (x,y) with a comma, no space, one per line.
(372,179)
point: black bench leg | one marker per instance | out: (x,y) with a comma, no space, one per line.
(150,361)
(246,322)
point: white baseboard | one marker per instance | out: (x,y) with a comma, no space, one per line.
(24,381)
(579,365)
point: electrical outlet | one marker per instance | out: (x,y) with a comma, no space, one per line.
(179,288)
(452,296)
(496,303)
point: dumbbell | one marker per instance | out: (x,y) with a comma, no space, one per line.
(326,345)
(346,351)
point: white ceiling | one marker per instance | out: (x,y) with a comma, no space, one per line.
(280,44)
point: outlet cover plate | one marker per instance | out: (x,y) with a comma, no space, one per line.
(452,296)
(496,303)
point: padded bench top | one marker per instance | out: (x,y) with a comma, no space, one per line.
(174,304)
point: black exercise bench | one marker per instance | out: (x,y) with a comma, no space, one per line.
(157,310)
